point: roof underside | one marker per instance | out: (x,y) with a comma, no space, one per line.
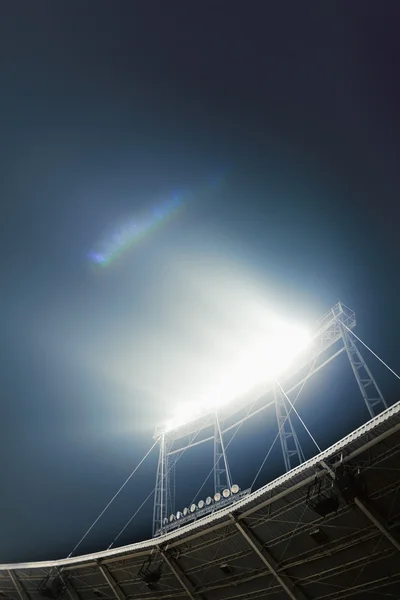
(263,543)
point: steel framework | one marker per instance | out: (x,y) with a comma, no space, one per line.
(332,337)
(269,544)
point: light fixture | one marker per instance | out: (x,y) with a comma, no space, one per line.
(172,518)
(319,536)
(201,504)
(227,569)
(235,489)
(165,521)
(185,512)
(193,507)
(226,493)
(275,346)
(217,497)
(178,515)
(209,500)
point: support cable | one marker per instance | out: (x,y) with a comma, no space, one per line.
(131,519)
(301,420)
(281,427)
(147,498)
(112,500)
(372,352)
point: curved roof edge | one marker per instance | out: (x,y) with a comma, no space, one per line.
(148,545)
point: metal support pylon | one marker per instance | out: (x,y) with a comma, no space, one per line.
(334,327)
(161,492)
(170,482)
(221,476)
(291,450)
(373,397)
(164,499)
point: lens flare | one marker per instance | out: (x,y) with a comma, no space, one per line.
(132,232)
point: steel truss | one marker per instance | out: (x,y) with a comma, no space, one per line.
(222,477)
(164,502)
(291,449)
(332,337)
(369,389)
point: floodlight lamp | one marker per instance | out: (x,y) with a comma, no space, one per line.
(264,358)
(185,512)
(172,518)
(193,508)
(201,504)
(235,489)
(217,497)
(184,414)
(165,521)
(178,515)
(209,500)
(226,493)
(169,425)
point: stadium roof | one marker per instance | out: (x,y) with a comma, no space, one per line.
(274,543)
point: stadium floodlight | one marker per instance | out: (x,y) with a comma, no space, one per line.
(178,515)
(171,518)
(193,508)
(260,360)
(165,521)
(209,500)
(217,497)
(201,504)
(235,489)
(185,512)
(226,493)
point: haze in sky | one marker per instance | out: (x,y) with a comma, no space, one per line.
(171,174)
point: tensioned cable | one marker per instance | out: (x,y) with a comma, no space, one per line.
(301,420)
(293,532)
(372,352)
(281,427)
(131,519)
(147,497)
(111,501)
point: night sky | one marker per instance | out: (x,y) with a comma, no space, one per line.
(277,125)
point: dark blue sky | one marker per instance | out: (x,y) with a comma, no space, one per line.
(109,107)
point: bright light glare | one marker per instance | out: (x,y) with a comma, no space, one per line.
(260,361)
(202,334)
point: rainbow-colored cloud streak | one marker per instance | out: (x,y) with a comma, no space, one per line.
(132,232)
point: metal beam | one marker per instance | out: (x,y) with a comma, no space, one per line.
(370,513)
(251,413)
(373,516)
(291,449)
(18,586)
(179,574)
(370,391)
(73,594)
(290,588)
(118,593)
(190,445)
(315,370)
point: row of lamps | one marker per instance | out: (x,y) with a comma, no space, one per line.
(226,493)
